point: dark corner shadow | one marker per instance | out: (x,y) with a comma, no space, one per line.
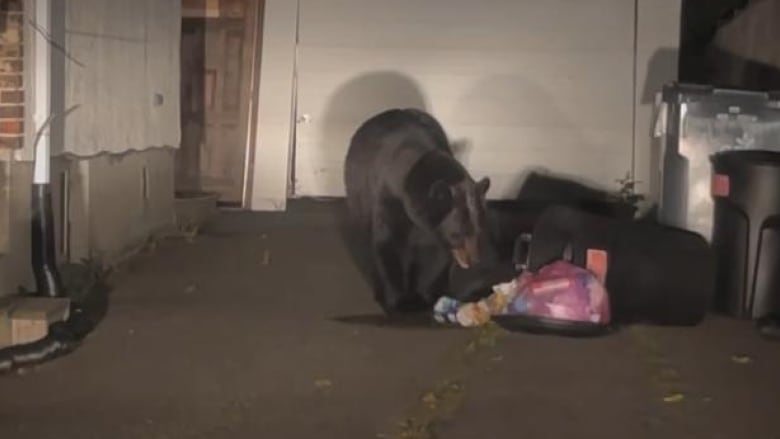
(88,285)
(726,69)
(355,101)
(422,320)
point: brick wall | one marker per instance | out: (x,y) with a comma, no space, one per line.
(11,77)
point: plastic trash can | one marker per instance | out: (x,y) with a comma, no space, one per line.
(745,188)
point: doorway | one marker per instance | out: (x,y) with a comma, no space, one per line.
(219,55)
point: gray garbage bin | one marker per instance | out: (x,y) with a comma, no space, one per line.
(695,122)
(746,233)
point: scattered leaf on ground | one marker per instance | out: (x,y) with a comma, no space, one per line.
(429,399)
(741,359)
(674,397)
(323,383)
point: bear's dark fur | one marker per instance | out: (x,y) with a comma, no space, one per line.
(413,208)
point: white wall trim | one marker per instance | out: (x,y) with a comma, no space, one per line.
(274,116)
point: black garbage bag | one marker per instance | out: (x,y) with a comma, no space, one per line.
(655,274)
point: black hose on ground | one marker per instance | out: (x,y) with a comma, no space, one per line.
(63,337)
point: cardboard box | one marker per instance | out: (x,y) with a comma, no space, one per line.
(31,317)
(25,331)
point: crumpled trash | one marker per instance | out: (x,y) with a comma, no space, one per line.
(674,397)
(559,290)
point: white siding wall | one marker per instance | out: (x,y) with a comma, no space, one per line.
(525,83)
(121,53)
(522,83)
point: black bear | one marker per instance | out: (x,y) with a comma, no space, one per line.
(413,207)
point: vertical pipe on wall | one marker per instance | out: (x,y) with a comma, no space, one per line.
(42,86)
(44,255)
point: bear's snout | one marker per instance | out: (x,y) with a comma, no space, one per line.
(467,254)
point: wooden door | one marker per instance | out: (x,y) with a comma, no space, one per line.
(221,43)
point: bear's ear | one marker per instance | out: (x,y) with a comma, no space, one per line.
(440,192)
(483,186)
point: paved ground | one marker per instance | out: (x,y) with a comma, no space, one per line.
(206,339)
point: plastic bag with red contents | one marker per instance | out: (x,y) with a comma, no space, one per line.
(560,291)
(560,297)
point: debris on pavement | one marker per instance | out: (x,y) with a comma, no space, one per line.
(674,397)
(430,400)
(440,401)
(741,359)
(323,383)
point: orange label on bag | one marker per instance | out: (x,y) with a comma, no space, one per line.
(720,185)
(597,263)
(549,286)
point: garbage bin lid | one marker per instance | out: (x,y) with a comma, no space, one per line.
(753,156)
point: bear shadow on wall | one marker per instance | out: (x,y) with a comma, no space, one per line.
(318,165)
(499,102)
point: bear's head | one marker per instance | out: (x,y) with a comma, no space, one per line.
(441,197)
(458,214)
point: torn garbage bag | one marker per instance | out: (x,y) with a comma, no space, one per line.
(559,298)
